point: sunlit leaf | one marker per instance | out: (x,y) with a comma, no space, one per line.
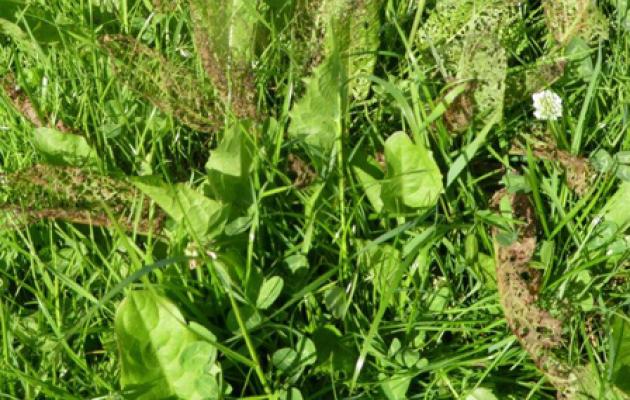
(64,148)
(413,179)
(203,216)
(229,166)
(316,117)
(160,356)
(269,292)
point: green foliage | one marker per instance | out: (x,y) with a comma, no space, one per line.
(413,179)
(203,217)
(316,117)
(229,167)
(363,22)
(59,148)
(369,175)
(616,209)
(291,361)
(315,239)
(161,357)
(620,349)
(269,292)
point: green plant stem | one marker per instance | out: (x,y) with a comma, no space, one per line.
(248,341)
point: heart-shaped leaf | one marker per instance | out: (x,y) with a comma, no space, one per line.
(413,179)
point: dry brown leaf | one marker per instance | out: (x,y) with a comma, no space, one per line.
(519,284)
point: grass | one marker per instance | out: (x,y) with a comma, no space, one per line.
(397,304)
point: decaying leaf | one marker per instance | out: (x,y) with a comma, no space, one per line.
(76,196)
(484,62)
(301,173)
(467,39)
(518,284)
(171,88)
(578,170)
(567,19)
(459,114)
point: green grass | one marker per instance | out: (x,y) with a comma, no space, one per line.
(389,299)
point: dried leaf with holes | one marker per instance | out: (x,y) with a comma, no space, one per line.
(519,284)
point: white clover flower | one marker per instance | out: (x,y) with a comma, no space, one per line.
(547,105)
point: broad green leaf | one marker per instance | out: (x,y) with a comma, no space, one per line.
(395,387)
(481,393)
(363,21)
(203,216)
(335,301)
(438,300)
(16,33)
(292,361)
(617,208)
(623,14)
(333,352)
(413,179)
(269,292)
(369,176)
(30,27)
(284,359)
(291,394)
(579,52)
(61,148)
(587,384)
(229,167)
(316,117)
(381,263)
(620,349)
(160,356)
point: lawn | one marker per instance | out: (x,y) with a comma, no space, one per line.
(315,199)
